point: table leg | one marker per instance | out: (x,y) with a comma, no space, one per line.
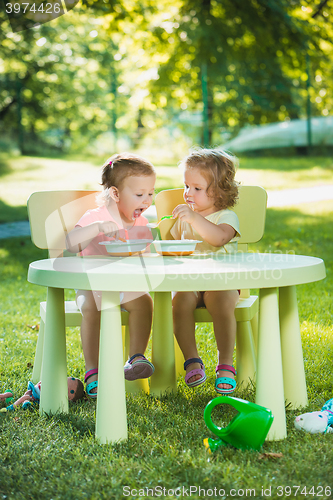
(270,392)
(291,345)
(163,349)
(111,418)
(54,391)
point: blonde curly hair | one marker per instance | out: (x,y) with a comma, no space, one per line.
(218,168)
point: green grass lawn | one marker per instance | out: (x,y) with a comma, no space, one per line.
(57,457)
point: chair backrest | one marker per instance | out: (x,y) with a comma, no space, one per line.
(250,209)
(52,214)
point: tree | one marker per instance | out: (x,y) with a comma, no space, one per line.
(254,53)
(129,66)
(67,77)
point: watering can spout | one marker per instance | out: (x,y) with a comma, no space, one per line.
(213,444)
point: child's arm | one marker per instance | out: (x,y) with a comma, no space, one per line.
(80,237)
(215,235)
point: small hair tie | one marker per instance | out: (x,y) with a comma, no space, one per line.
(110,163)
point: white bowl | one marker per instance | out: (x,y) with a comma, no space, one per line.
(175,247)
(119,248)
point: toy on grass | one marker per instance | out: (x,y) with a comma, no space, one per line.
(75,389)
(247,430)
(32,395)
(6,397)
(316,422)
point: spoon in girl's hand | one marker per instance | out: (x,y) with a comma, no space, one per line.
(166,217)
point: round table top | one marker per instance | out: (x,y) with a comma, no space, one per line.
(152,272)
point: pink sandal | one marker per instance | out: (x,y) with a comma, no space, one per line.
(196,371)
(225,380)
(92,385)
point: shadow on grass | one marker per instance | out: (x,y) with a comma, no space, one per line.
(5,167)
(19,252)
(9,213)
(147,415)
(80,419)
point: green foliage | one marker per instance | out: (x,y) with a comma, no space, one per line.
(256,58)
(67,83)
(122,70)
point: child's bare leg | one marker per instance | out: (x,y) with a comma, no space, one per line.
(89,304)
(183,307)
(140,308)
(221,306)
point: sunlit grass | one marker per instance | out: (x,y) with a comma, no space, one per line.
(285,173)
(21,176)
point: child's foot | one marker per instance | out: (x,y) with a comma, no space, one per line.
(195,372)
(91,388)
(225,379)
(137,366)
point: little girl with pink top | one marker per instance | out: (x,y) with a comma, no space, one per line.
(128,181)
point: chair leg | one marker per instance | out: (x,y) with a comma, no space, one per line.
(37,368)
(163,348)
(133,386)
(179,360)
(254,326)
(245,354)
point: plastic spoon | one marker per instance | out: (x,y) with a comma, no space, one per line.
(165,217)
(152,225)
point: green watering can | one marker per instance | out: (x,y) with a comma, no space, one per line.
(247,430)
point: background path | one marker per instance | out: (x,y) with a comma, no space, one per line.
(290,197)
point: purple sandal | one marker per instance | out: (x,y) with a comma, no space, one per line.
(196,371)
(140,368)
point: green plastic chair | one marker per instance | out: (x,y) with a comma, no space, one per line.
(251,212)
(52,214)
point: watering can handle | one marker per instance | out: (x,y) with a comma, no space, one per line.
(209,408)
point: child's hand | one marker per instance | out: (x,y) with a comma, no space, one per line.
(184,213)
(109,228)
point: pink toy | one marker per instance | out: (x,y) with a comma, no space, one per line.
(316,422)
(32,395)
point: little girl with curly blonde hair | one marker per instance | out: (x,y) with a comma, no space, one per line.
(210,191)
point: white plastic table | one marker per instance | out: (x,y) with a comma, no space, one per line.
(280,369)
